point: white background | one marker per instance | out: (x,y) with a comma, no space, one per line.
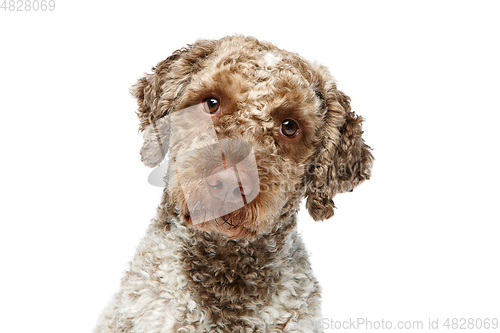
(418,241)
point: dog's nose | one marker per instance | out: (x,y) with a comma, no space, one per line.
(230,185)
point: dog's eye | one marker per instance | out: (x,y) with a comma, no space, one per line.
(289,128)
(211,105)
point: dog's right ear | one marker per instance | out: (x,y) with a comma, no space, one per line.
(156,95)
(343,160)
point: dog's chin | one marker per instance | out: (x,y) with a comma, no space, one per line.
(252,217)
(245,222)
(226,226)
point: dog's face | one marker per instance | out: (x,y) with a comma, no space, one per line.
(250,129)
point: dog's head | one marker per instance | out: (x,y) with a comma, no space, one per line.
(250,129)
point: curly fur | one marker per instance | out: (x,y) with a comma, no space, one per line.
(247,271)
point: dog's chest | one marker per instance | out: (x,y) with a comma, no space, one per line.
(206,287)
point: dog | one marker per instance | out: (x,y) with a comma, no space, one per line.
(243,131)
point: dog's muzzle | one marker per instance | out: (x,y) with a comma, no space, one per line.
(217,179)
(233,176)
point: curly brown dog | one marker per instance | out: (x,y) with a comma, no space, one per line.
(250,130)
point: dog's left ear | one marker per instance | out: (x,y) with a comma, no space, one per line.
(342,160)
(148,91)
(157,94)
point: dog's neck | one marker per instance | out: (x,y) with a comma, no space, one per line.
(203,244)
(226,277)
(230,274)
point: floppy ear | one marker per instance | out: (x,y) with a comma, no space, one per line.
(156,95)
(343,160)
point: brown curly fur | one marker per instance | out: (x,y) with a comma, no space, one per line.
(247,271)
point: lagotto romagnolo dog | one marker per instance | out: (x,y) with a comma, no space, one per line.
(248,130)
